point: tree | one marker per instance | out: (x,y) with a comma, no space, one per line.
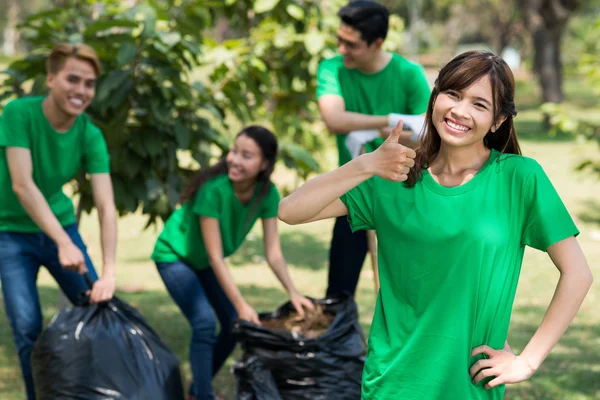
(266,67)
(585,125)
(11,35)
(546,20)
(147,104)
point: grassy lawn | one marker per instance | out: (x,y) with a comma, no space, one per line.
(571,372)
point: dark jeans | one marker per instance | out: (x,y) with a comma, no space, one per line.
(21,255)
(200,297)
(346,257)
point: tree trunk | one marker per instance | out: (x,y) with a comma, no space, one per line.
(500,39)
(11,34)
(414,13)
(547,62)
(221,30)
(546,20)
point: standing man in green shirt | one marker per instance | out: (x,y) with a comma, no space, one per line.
(44,142)
(363,89)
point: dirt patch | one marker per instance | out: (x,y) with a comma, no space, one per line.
(313,324)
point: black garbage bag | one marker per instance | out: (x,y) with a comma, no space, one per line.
(254,381)
(326,367)
(104,351)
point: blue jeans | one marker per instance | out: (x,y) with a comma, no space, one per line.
(200,297)
(21,255)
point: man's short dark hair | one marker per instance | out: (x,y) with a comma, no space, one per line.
(371,19)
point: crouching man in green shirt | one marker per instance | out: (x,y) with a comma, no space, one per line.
(44,142)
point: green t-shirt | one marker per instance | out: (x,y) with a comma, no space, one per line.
(449,262)
(181,238)
(401,87)
(56,159)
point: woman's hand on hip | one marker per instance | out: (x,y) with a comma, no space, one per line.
(503,365)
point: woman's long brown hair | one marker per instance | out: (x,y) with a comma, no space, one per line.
(458,74)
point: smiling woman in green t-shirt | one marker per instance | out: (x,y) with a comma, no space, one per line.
(219,208)
(451,241)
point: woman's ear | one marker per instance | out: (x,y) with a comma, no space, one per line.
(498,124)
(264,165)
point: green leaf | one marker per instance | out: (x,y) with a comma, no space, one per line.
(153,189)
(44,15)
(127,53)
(153,145)
(170,38)
(295,11)
(111,82)
(263,6)
(258,64)
(75,38)
(314,41)
(160,111)
(300,156)
(120,96)
(39,86)
(230,2)
(133,164)
(182,134)
(103,25)
(137,145)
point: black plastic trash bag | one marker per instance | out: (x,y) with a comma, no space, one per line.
(327,367)
(104,351)
(254,381)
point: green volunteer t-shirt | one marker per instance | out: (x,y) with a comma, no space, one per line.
(181,238)
(401,87)
(449,262)
(56,158)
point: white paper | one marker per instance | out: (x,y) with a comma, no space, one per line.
(414,123)
(357,139)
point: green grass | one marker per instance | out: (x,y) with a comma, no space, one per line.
(571,372)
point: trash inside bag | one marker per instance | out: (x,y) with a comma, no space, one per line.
(104,351)
(319,357)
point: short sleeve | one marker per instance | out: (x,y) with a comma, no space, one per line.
(270,206)
(96,159)
(328,78)
(547,220)
(13,126)
(359,202)
(418,90)
(207,202)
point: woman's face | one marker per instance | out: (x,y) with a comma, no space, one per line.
(463,117)
(245,160)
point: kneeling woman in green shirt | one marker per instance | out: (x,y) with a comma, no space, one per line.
(452,221)
(219,207)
